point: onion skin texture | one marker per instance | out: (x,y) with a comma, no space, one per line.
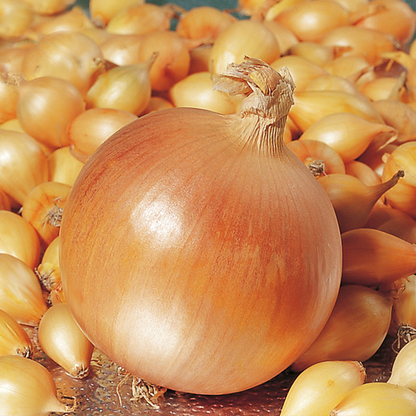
(204,285)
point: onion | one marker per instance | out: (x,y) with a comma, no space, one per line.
(140,19)
(404,197)
(362,172)
(355,330)
(302,70)
(125,88)
(320,158)
(173,59)
(62,341)
(43,209)
(69,55)
(27,388)
(103,10)
(403,319)
(122,49)
(348,134)
(377,398)
(23,163)
(396,18)
(238,41)
(93,127)
(318,389)
(49,7)
(39,105)
(372,257)
(15,18)
(49,271)
(204,23)
(393,221)
(9,94)
(18,238)
(311,106)
(365,43)
(190,239)
(75,19)
(63,166)
(14,340)
(20,291)
(196,91)
(403,372)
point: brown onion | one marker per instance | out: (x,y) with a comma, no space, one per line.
(371,257)
(355,330)
(190,239)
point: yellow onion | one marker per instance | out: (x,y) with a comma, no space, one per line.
(200,58)
(372,257)
(14,340)
(377,398)
(18,238)
(196,91)
(62,340)
(353,5)
(404,315)
(320,387)
(92,127)
(330,82)
(140,19)
(203,23)
(302,70)
(393,221)
(48,271)
(69,55)
(396,18)
(318,157)
(20,291)
(9,94)
(250,7)
(63,166)
(404,197)
(348,66)
(157,103)
(403,372)
(276,9)
(311,106)
(49,7)
(310,21)
(73,19)
(347,133)
(23,164)
(382,88)
(122,49)
(234,43)
(286,39)
(125,87)
(43,209)
(103,10)
(362,172)
(202,289)
(39,105)
(11,57)
(355,330)
(173,59)
(365,43)
(399,115)
(15,18)
(315,52)
(27,388)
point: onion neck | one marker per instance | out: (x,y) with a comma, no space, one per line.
(269,97)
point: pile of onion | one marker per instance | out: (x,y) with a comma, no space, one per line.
(191,238)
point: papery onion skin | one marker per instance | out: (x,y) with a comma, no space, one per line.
(190,270)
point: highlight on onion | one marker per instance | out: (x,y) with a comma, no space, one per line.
(189,240)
